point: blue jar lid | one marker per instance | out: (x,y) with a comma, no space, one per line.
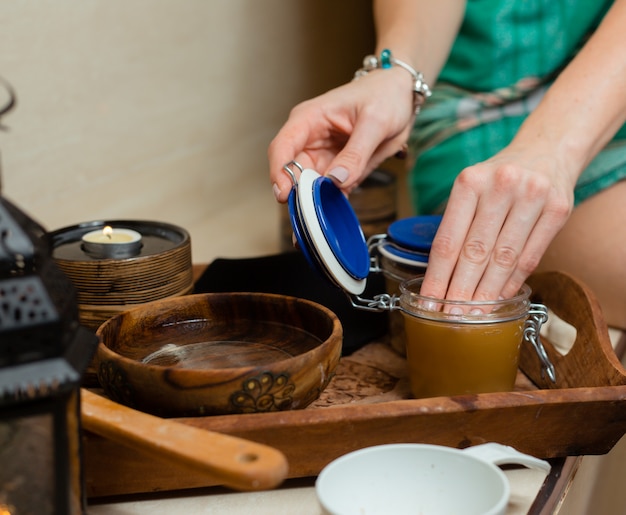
(330,232)
(415,233)
(299,232)
(341,228)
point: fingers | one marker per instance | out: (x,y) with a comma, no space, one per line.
(285,147)
(347,160)
(504,218)
(506,270)
(369,145)
(497,225)
(346,132)
(550,222)
(448,242)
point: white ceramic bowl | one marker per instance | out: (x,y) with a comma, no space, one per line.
(419,478)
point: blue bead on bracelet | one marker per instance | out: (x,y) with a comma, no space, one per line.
(385,59)
(421,91)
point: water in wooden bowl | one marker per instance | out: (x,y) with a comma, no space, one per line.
(219,353)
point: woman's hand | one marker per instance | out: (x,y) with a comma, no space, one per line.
(501,216)
(346,132)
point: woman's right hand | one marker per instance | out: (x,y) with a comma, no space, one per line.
(347,132)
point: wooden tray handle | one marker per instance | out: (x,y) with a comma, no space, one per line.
(591,360)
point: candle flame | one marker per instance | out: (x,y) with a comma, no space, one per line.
(107,231)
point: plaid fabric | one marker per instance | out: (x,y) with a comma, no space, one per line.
(506,55)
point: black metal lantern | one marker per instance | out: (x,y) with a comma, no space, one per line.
(43,353)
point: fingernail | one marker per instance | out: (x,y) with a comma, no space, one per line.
(456,311)
(428,305)
(476,311)
(276,190)
(339,173)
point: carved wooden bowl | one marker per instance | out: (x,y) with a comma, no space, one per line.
(219,353)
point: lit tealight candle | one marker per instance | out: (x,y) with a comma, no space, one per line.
(112,243)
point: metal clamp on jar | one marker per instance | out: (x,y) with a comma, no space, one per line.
(330,237)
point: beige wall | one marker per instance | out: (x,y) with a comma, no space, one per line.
(163,109)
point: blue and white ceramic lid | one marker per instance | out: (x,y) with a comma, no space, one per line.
(330,236)
(408,240)
(328,231)
(415,233)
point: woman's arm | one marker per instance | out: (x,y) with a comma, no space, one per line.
(350,130)
(418,32)
(586,105)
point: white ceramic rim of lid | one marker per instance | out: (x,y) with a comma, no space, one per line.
(398,259)
(310,220)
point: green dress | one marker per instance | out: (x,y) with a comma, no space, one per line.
(506,54)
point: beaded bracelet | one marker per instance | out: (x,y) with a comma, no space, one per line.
(421,91)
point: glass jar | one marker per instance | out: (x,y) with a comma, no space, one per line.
(462,347)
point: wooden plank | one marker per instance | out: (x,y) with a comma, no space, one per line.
(535,423)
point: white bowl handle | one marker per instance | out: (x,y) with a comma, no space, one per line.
(499,454)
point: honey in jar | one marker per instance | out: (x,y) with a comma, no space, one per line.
(454,354)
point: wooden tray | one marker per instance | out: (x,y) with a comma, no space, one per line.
(367,404)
